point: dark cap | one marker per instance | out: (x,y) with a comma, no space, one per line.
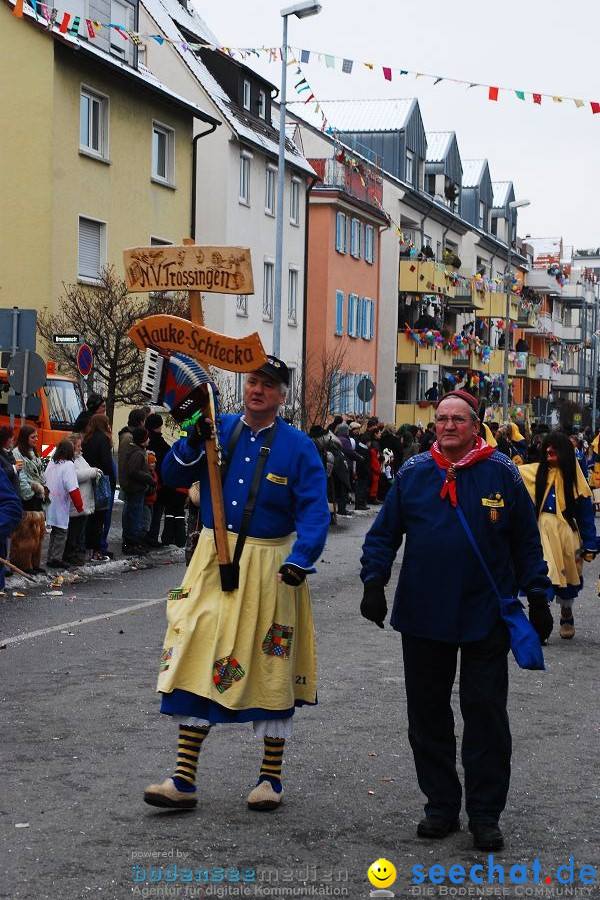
(461,395)
(94,402)
(275,369)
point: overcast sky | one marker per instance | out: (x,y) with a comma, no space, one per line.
(551,152)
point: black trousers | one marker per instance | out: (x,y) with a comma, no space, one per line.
(430,670)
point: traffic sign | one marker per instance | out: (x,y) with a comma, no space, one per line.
(26,372)
(65,338)
(365,389)
(17,329)
(85,360)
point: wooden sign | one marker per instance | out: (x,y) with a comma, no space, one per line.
(222,270)
(170,334)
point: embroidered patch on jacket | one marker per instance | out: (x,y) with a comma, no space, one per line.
(278,640)
(277,479)
(225,672)
(166,657)
(178,593)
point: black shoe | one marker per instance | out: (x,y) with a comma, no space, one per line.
(437,827)
(39,571)
(134,550)
(486,836)
(151,545)
(361,506)
(57,564)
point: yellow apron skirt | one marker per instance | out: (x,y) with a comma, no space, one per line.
(252,648)
(561,546)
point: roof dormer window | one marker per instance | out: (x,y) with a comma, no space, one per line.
(246,94)
(262,105)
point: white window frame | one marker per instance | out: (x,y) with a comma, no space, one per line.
(341,232)
(238,387)
(120,14)
(356,238)
(367,319)
(270,189)
(339,312)
(87,273)
(245,167)
(410,167)
(295,202)
(293,285)
(246,95)
(268,289)
(292,390)
(163,131)
(481,214)
(262,104)
(101,102)
(369,244)
(241,306)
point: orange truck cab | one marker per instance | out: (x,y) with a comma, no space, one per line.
(61,404)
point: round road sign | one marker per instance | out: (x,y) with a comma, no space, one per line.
(365,389)
(36,372)
(85,360)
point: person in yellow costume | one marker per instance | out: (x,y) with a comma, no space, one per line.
(516,443)
(565,513)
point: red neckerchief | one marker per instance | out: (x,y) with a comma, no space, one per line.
(480,451)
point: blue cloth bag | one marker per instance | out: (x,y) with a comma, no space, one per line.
(102,492)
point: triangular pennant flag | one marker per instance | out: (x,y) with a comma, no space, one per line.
(387,73)
(595,107)
(537,98)
(437,80)
(403,71)
(520,94)
(578,103)
(347,66)
(158,38)
(302,81)
(18,10)
(134,37)
(120,31)
(368,66)
(308,99)
(90,28)
(329,61)
(74,27)
(557,99)
(65,23)
(493,93)
(304,56)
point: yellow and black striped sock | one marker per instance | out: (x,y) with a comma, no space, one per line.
(189,746)
(270,769)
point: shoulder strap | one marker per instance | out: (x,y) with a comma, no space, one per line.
(251,501)
(235,434)
(473,542)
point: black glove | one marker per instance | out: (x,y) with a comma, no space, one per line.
(373,606)
(199,433)
(540,615)
(292,575)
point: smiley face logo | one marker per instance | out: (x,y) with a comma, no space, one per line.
(381,873)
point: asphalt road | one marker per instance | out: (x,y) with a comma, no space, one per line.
(82,735)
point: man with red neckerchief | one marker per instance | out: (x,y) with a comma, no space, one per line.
(457,610)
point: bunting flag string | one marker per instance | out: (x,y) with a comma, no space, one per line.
(274,54)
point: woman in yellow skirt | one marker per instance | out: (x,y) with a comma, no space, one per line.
(563,504)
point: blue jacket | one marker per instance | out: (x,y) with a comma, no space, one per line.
(443,593)
(11,508)
(292,495)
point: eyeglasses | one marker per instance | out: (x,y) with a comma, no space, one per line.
(456,420)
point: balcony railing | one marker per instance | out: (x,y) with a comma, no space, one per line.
(365,185)
(425,277)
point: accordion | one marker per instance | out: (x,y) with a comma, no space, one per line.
(179,383)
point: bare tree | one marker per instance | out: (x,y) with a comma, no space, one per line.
(103,315)
(323,384)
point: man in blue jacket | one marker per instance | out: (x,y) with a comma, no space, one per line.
(246,655)
(460,610)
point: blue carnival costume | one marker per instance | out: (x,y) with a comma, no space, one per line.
(11,513)
(247,655)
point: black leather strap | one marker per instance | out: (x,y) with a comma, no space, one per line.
(235,435)
(254,487)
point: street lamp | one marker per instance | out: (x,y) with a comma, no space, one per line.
(514,204)
(301,11)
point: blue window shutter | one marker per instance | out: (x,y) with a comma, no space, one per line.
(371,320)
(339,312)
(351,302)
(337,232)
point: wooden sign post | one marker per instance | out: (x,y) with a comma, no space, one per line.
(226,270)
